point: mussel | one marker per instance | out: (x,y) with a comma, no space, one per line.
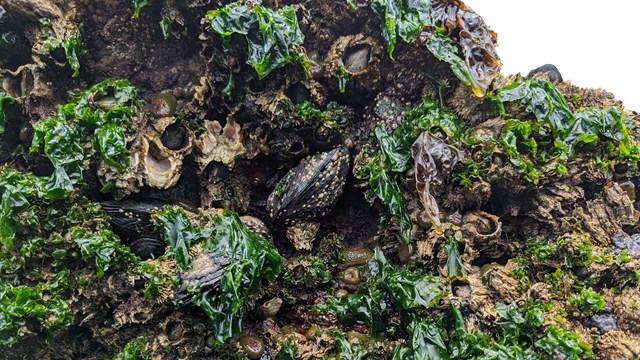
(307,193)
(131,218)
(148,246)
(131,221)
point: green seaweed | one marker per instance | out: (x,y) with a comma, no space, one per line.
(103,113)
(563,344)
(426,342)
(71,43)
(176,229)
(557,133)
(455,267)
(347,350)
(19,193)
(411,293)
(343,78)
(104,246)
(42,304)
(404,18)
(4,119)
(165,26)
(273,39)
(445,49)
(138,6)
(137,349)
(250,259)
(518,335)
(368,306)
(288,350)
(408,290)
(384,186)
(587,300)
(314,272)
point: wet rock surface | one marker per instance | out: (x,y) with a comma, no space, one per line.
(305,180)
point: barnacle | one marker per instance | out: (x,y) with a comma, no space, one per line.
(164,147)
(354,62)
(434,159)
(221,144)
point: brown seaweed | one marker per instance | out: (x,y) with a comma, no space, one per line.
(434,159)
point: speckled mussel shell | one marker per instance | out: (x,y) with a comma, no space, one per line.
(311,189)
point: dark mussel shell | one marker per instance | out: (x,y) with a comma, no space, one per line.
(205,272)
(148,246)
(311,189)
(549,69)
(131,218)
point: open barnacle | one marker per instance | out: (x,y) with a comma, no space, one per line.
(354,61)
(164,147)
(307,193)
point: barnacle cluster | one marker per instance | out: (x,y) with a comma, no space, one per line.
(314,179)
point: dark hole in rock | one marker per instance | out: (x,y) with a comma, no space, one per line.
(256,85)
(174,137)
(216,171)
(43,167)
(461,288)
(16,48)
(59,55)
(352,217)
(296,147)
(356,58)
(483,260)
(298,93)
(244,115)
(621,168)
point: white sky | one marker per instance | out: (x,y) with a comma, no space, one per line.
(593,44)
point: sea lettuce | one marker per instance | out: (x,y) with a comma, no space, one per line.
(273,38)
(248,257)
(4,119)
(103,113)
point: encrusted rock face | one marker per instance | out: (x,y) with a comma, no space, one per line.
(625,307)
(618,345)
(512,212)
(605,215)
(498,279)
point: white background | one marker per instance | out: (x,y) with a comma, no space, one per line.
(593,44)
